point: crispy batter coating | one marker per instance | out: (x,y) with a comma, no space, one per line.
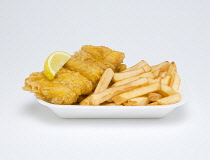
(91,61)
(65,88)
(86,68)
(105,54)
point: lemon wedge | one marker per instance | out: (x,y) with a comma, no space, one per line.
(54,63)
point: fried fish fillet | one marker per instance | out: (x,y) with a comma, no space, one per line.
(65,88)
(105,54)
(91,61)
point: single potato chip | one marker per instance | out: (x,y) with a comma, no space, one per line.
(151,80)
(166,80)
(139,101)
(140,91)
(147,68)
(163,74)
(104,80)
(126,81)
(123,75)
(170,99)
(175,81)
(138,65)
(172,68)
(156,73)
(148,74)
(162,66)
(153,97)
(166,90)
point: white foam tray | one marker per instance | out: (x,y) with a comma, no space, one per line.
(80,111)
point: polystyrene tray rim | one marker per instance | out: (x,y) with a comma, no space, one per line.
(45,103)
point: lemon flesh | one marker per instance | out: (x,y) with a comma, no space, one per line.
(54,63)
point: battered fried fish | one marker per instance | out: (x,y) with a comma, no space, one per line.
(91,61)
(77,78)
(104,54)
(65,88)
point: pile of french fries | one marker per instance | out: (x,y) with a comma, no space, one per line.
(138,85)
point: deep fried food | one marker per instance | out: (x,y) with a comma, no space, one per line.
(138,101)
(104,81)
(141,91)
(65,88)
(91,61)
(105,54)
(77,78)
(87,69)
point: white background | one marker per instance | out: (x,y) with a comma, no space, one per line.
(151,30)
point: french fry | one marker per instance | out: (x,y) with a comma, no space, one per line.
(163,74)
(166,90)
(140,91)
(175,81)
(107,94)
(127,80)
(110,101)
(139,101)
(138,65)
(147,68)
(153,97)
(152,104)
(166,80)
(121,67)
(172,68)
(170,99)
(148,74)
(156,73)
(86,101)
(110,104)
(151,80)
(162,66)
(104,80)
(123,75)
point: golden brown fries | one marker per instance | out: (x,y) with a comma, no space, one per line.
(151,80)
(166,90)
(138,85)
(156,73)
(110,104)
(153,97)
(170,99)
(172,68)
(107,94)
(163,74)
(148,74)
(105,80)
(139,101)
(124,75)
(147,68)
(162,66)
(166,80)
(140,91)
(175,81)
(127,80)
(138,65)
